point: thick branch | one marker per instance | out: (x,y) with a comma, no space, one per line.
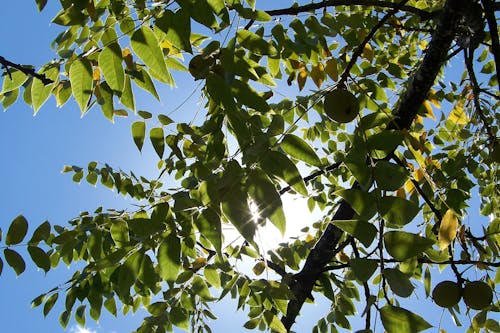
(489,12)
(424,15)
(26,70)
(410,101)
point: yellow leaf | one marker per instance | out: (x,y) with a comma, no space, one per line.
(309,238)
(401,193)
(418,174)
(367,52)
(318,74)
(199,262)
(428,110)
(343,257)
(295,64)
(331,69)
(447,229)
(127,56)
(301,78)
(409,187)
(458,115)
(96,75)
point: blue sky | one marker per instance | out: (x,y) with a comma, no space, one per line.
(34,151)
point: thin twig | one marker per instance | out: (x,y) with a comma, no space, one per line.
(26,70)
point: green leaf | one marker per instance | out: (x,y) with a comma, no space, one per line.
(246,95)
(13,80)
(298,148)
(397,211)
(268,201)
(200,288)
(1,266)
(41,233)
(383,143)
(179,318)
(169,257)
(177,28)
(362,230)
(39,257)
(144,81)
(110,62)
(106,100)
(255,44)
(70,16)
(14,260)
(17,230)
(427,281)
(110,305)
(138,133)
(145,45)
(41,92)
(212,276)
(363,269)
(119,232)
(277,164)
(234,204)
(209,225)
(80,76)
(49,303)
(361,201)
(274,323)
(399,320)
(389,176)
(40,4)
(80,315)
(164,120)
(157,140)
(400,283)
(127,97)
(404,245)
(64,318)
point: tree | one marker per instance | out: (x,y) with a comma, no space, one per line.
(392,180)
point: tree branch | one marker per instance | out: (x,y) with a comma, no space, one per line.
(489,12)
(409,103)
(359,50)
(424,15)
(26,70)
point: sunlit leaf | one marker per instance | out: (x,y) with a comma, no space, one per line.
(299,149)
(209,225)
(177,28)
(389,176)
(157,140)
(80,76)
(399,320)
(13,80)
(266,198)
(397,211)
(146,46)
(110,62)
(255,43)
(276,164)
(119,232)
(404,245)
(363,269)
(138,133)
(447,229)
(362,230)
(400,283)
(169,257)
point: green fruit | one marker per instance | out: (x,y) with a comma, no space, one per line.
(341,106)
(477,295)
(447,294)
(200,66)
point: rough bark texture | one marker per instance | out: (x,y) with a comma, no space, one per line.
(406,110)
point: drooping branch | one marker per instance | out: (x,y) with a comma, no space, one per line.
(26,70)
(405,113)
(424,15)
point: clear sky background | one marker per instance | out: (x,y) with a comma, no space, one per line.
(35,149)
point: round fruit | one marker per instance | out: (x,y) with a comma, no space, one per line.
(200,66)
(477,295)
(341,106)
(447,294)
